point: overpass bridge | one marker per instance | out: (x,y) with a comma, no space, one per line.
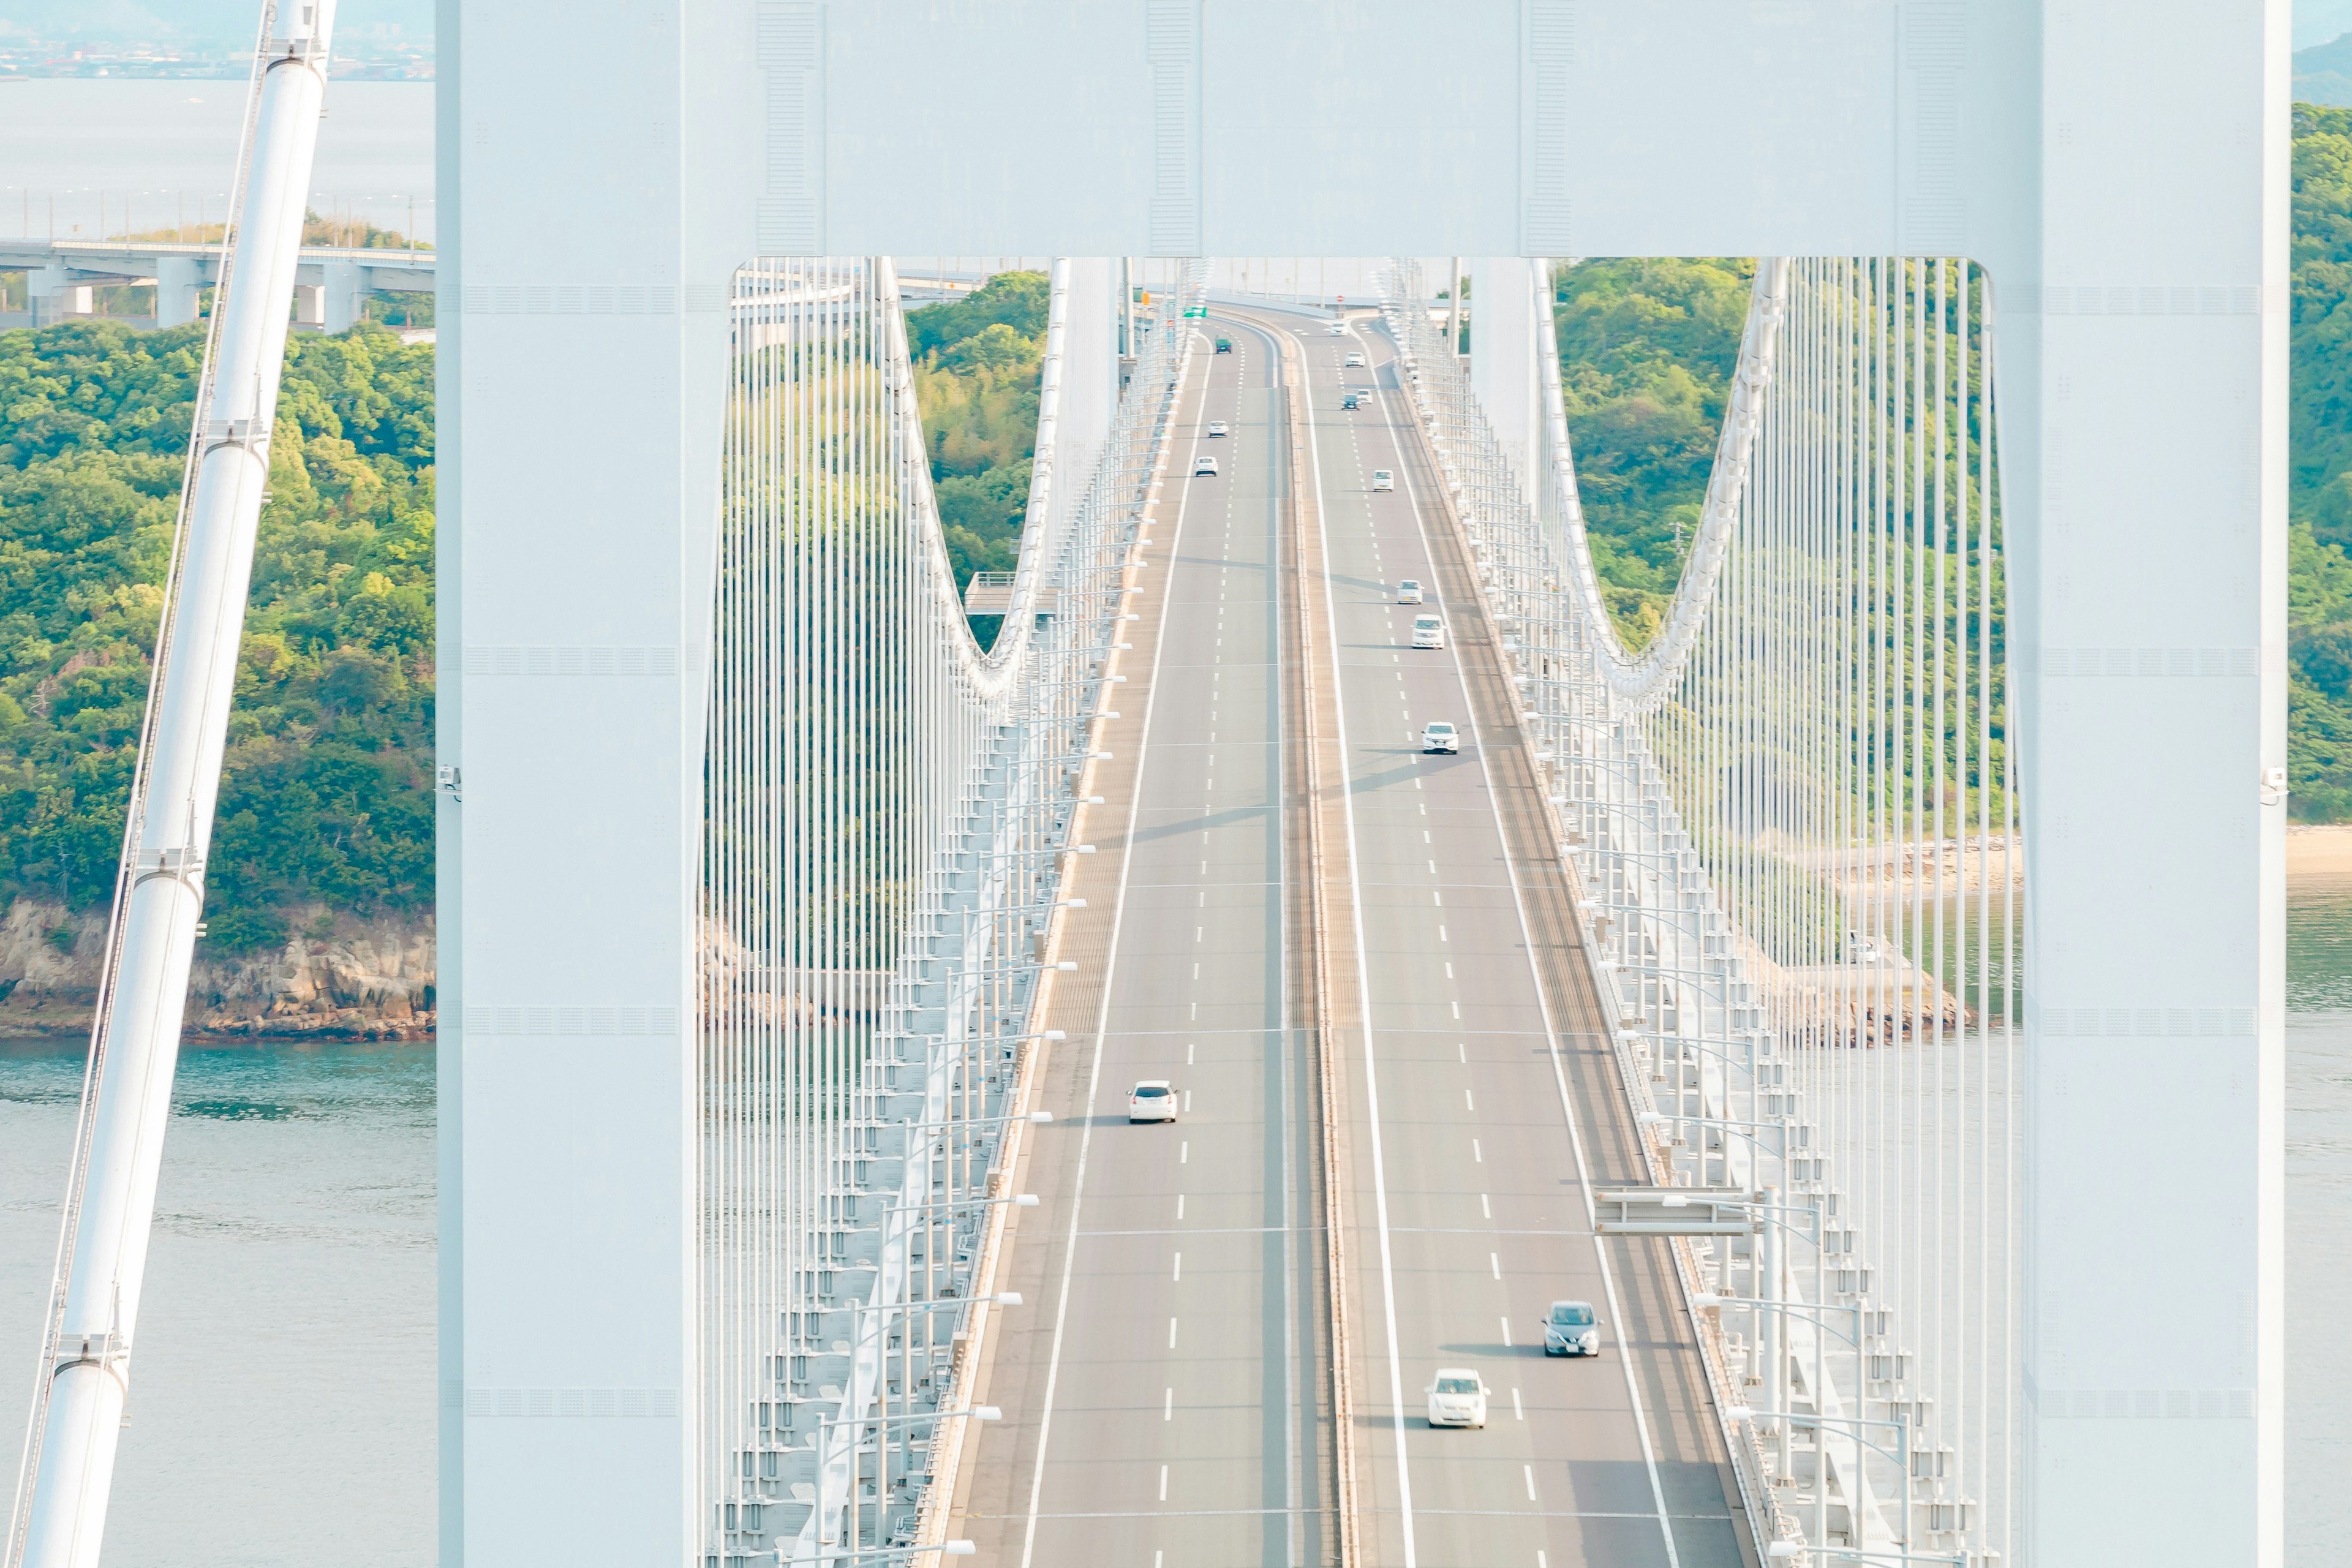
(1822,991)
(331,286)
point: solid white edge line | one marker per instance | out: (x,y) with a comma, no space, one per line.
(1102,1016)
(1364,973)
(1543,1001)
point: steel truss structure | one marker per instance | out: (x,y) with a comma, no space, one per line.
(1792,820)
(887,808)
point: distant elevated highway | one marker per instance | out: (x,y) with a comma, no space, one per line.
(331,285)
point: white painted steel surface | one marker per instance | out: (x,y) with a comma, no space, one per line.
(2119,170)
(85,1371)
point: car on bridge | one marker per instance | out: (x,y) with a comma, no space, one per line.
(1224,345)
(1571,1328)
(1355,360)
(1216,428)
(1151,1101)
(1204,465)
(1428,631)
(1457,1397)
(1353,400)
(1440,736)
(1336,329)
(1383,480)
(1409,591)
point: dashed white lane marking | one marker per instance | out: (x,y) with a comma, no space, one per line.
(1441,934)
(1517,1414)
(1476,1153)
(1163,1483)
(1184,1153)
(1484,1208)
(1529,1472)
(1467,1103)
(1494,1261)
(1179,1277)
(1506,1332)
(1172,1333)
(1169,1414)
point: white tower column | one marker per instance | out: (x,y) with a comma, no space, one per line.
(178,281)
(599,184)
(1504,358)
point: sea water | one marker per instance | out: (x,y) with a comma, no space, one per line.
(282,1407)
(92,159)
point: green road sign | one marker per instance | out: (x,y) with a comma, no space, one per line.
(1192,310)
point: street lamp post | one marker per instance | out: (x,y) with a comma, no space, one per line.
(825,1553)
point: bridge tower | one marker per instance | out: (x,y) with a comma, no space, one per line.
(2120,170)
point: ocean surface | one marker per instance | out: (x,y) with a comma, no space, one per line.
(2318,1220)
(84,160)
(282,1410)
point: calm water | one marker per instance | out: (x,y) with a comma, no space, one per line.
(134,156)
(282,1411)
(2319,1221)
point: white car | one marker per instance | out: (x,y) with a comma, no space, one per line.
(1409,591)
(1336,329)
(1571,1328)
(1151,1101)
(1355,360)
(1428,631)
(1204,465)
(1458,1398)
(1216,427)
(1440,736)
(1383,480)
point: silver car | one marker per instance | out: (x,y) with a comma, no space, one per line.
(1571,1328)
(1440,736)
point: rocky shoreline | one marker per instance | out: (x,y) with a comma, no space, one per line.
(340,979)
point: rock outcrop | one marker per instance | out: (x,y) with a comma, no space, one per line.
(341,979)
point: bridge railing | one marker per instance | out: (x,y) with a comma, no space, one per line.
(887,810)
(1753,808)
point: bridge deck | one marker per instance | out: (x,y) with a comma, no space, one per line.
(1165,1388)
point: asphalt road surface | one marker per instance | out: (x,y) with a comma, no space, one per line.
(1164,1385)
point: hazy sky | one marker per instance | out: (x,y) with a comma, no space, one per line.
(204,20)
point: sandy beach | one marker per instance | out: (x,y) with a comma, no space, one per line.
(2321,853)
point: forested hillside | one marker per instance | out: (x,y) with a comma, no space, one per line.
(1647,348)
(325,802)
(2319,489)
(977,365)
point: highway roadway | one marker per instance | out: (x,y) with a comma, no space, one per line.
(1156,1411)
(1483,1108)
(1165,1387)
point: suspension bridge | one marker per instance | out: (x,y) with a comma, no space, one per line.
(1841,1000)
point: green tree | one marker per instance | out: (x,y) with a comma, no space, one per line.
(325,792)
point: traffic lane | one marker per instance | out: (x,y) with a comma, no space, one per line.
(1119,1418)
(1385,559)
(1471,835)
(1665,1369)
